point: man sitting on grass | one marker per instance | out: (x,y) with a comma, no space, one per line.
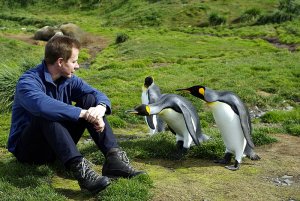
(46,125)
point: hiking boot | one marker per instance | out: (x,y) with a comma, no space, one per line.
(87,178)
(117,165)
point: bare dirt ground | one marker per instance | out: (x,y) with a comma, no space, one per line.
(256,180)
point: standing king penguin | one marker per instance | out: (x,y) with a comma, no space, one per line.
(233,120)
(150,94)
(180,116)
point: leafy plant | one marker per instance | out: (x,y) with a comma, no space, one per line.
(121,38)
(289,6)
(8,80)
(248,16)
(215,19)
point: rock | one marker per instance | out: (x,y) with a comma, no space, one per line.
(288,182)
(72,30)
(286,177)
(45,33)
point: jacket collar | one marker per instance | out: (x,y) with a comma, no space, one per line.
(48,77)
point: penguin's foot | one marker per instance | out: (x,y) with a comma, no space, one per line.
(254,157)
(225,160)
(181,151)
(234,167)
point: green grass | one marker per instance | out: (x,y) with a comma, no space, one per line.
(163,39)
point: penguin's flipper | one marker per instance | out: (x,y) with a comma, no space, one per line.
(160,124)
(150,121)
(190,123)
(241,110)
(245,123)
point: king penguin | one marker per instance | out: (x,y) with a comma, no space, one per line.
(180,116)
(150,94)
(233,120)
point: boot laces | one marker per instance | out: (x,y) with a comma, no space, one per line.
(124,157)
(87,172)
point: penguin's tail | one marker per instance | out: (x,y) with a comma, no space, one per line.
(249,152)
(203,137)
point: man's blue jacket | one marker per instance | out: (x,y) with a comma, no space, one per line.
(37,95)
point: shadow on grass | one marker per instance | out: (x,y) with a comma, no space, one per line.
(161,148)
(23,175)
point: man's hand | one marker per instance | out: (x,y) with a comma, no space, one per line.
(100,125)
(94,115)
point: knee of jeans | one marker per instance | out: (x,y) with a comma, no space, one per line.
(43,121)
(86,101)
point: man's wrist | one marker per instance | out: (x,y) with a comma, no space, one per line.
(103,104)
(103,108)
(82,113)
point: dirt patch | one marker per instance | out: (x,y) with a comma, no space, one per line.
(278,44)
(195,179)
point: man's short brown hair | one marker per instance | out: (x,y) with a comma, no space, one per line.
(60,47)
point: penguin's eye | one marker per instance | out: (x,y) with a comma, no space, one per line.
(201,91)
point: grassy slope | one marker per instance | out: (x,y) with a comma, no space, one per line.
(177,54)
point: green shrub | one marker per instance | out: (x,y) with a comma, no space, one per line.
(276,17)
(278,116)
(215,19)
(8,80)
(248,16)
(150,18)
(293,129)
(262,137)
(121,38)
(289,6)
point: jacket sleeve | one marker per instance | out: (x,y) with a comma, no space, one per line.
(81,88)
(33,98)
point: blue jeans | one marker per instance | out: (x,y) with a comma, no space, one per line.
(43,141)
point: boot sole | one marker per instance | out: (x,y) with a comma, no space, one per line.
(96,190)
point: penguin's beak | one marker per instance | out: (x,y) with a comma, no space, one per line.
(186,90)
(131,111)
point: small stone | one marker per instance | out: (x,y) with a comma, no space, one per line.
(288,182)
(286,177)
(277,181)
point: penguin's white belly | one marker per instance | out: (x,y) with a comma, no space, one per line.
(144,97)
(177,123)
(229,125)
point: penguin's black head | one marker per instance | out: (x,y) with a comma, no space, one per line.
(142,110)
(197,91)
(148,81)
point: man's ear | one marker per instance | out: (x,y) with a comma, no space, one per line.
(60,61)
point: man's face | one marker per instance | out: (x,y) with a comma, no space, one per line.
(68,67)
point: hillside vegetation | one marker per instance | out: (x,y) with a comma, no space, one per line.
(248,47)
